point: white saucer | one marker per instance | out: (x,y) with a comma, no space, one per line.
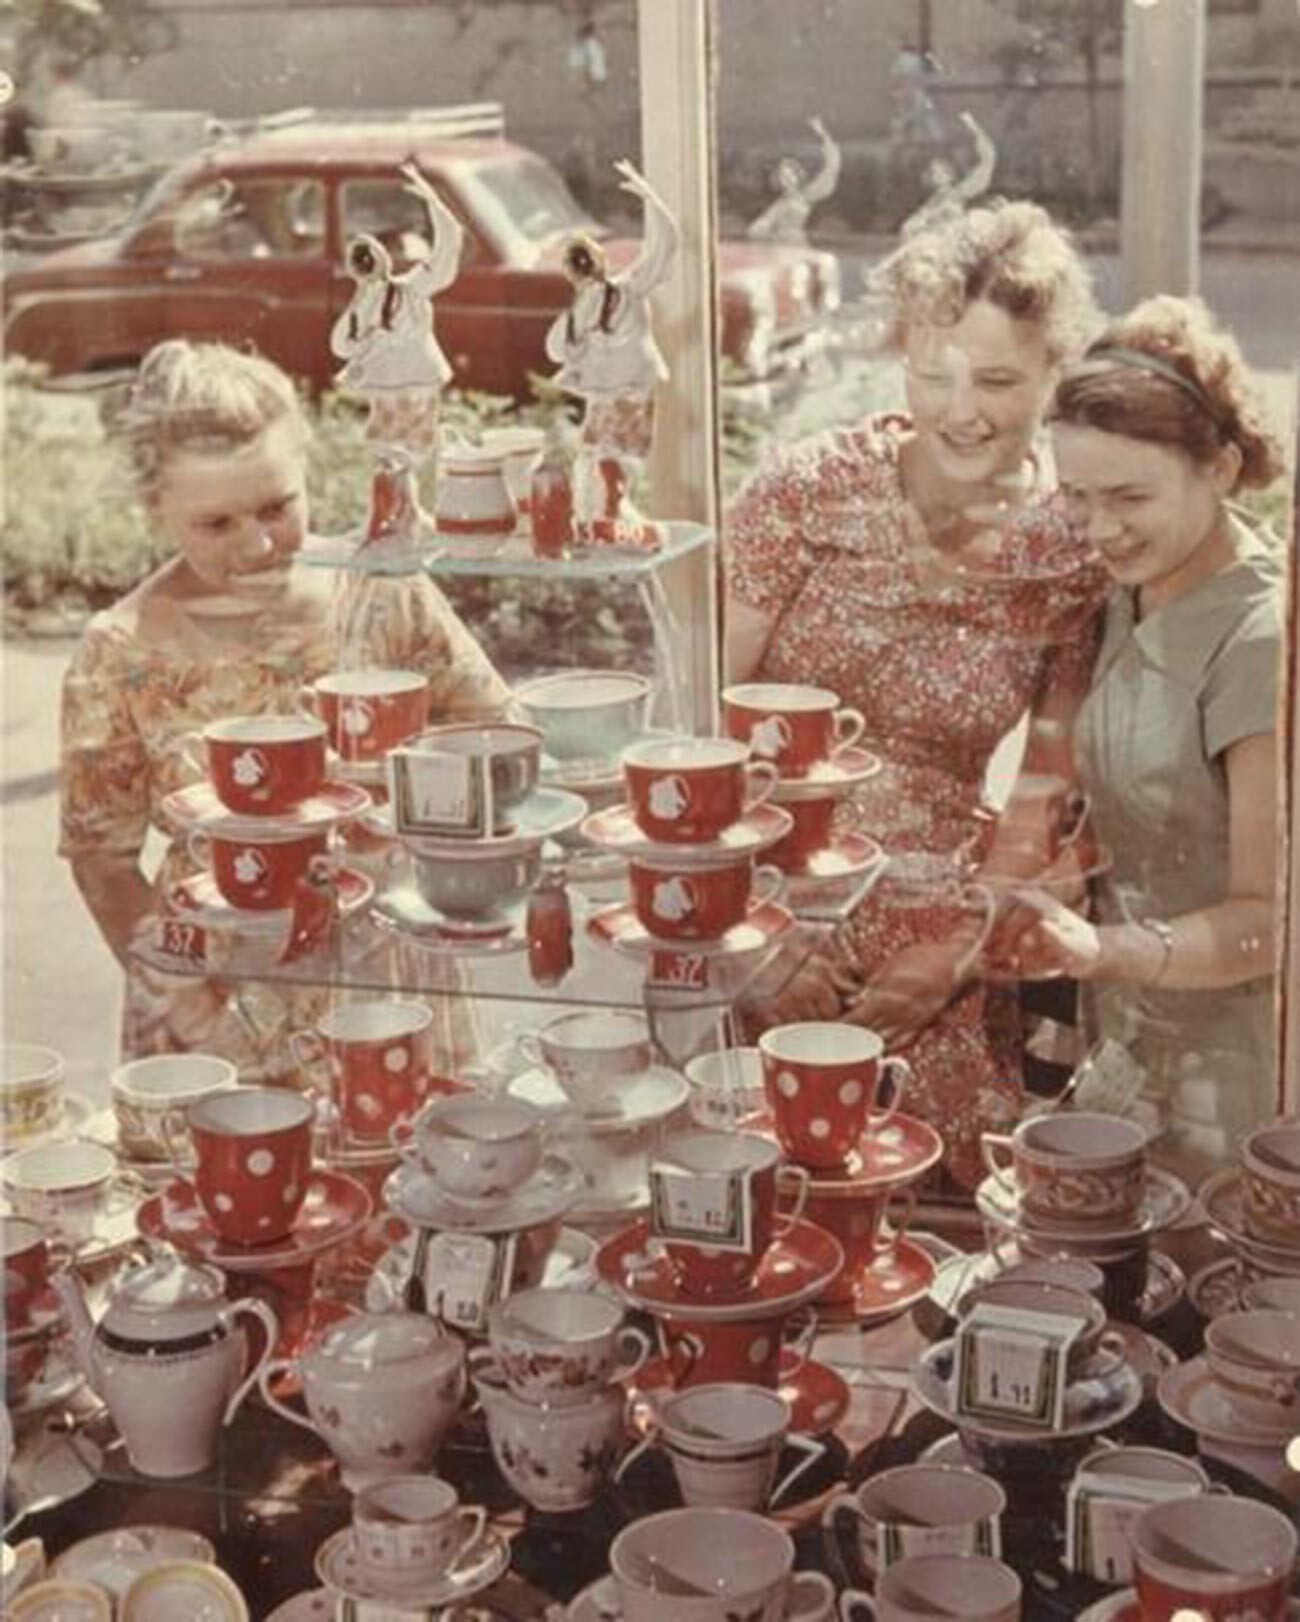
(618,926)
(570,1266)
(312,1605)
(1090,1405)
(599,1603)
(1189,1393)
(113,1560)
(75,1110)
(836,879)
(55,1467)
(547,813)
(402,907)
(834,778)
(414,1195)
(616,829)
(338,1568)
(1164,1200)
(633,1102)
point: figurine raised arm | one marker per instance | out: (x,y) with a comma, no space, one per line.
(607,355)
(950,194)
(785,219)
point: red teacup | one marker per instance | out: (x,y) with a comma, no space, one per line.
(791,725)
(706,1270)
(259,874)
(368,712)
(265,765)
(252,1150)
(686,791)
(868,1222)
(1216,1557)
(701,1353)
(822,1079)
(811,833)
(27,1268)
(699,904)
(380,1062)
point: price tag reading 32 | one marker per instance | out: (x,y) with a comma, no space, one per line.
(701,1208)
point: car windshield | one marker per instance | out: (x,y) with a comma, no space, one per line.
(528,198)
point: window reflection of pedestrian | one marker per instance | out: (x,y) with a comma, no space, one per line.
(786,218)
(915,119)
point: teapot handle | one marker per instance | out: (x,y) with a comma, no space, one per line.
(270,1327)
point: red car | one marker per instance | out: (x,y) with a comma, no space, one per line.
(245,243)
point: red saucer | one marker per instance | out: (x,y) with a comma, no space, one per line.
(796,1268)
(616,829)
(198,807)
(199,900)
(619,926)
(834,777)
(818,1396)
(898,1152)
(296,1334)
(335,1208)
(895,1281)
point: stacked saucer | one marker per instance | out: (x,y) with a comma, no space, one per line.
(1255,1205)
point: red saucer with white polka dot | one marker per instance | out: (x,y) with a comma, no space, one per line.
(333,1210)
(796,1268)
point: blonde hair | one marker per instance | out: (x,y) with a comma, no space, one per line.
(1167,373)
(1012,255)
(202,397)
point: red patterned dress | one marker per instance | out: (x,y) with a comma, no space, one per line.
(825,541)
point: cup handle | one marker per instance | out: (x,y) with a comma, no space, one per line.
(177,1151)
(761,778)
(649,1440)
(268,1372)
(633,1348)
(899,1211)
(767,884)
(199,847)
(810,1597)
(850,724)
(308,1049)
(991,1145)
(483,1360)
(800,1343)
(1112,1351)
(892,1065)
(475,1516)
(193,752)
(270,1328)
(812,1451)
(841,1549)
(1079,810)
(307,702)
(855,1606)
(798,1178)
(989,902)
(688,1347)
(527,1044)
(401,1135)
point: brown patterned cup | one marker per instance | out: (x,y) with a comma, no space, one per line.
(1083,1168)
(1270,1164)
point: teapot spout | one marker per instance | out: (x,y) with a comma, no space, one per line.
(67,1287)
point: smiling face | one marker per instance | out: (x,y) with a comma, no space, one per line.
(976,389)
(1154,516)
(237,517)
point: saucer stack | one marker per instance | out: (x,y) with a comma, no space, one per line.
(1255,1205)
(812,741)
(593,1074)
(261,825)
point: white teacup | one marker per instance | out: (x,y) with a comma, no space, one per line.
(411,1528)
(558,1346)
(587,714)
(478,1148)
(915,1509)
(1280,1294)
(1255,1357)
(713,1565)
(63,1186)
(554,1458)
(589,1051)
(930,1587)
(150,1097)
(724,1442)
(726,1087)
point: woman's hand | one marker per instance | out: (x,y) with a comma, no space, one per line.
(908,991)
(1037,938)
(817,990)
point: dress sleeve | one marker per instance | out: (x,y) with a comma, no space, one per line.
(766,561)
(103,763)
(1241,691)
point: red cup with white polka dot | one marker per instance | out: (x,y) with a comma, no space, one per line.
(252,1150)
(375,1059)
(822,1080)
(702,1352)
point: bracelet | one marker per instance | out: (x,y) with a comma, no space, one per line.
(1163,932)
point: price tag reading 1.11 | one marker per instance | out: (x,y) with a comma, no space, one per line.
(465,1276)
(1012,1366)
(702,1208)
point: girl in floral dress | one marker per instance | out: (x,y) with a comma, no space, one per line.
(920,565)
(227,626)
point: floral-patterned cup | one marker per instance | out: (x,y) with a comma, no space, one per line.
(558,1346)
(1270,1164)
(555,1458)
(1082,1167)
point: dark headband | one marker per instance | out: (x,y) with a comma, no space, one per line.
(1139,361)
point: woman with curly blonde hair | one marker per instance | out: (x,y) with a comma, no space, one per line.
(920,565)
(1155,431)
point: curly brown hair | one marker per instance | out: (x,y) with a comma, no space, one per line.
(1010,254)
(1195,395)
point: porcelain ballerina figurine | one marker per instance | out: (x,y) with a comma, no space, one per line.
(607,355)
(949,195)
(785,219)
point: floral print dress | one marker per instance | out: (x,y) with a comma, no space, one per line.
(152,670)
(825,542)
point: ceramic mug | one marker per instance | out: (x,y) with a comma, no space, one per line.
(912,1510)
(62,1186)
(704,1270)
(410,1529)
(932,1587)
(263,765)
(558,1346)
(700,903)
(868,1221)
(704,1353)
(1270,1165)
(1078,1167)
(1255,1357)
(368,712)
(252,1159)
(555,1458)
(687,791)
(378,1055)
(476,1148)
(1219,1557)
(822,1080)
(793,726)
(260,872)
(724,1442)
(150,1094)
(589,1052)
(713,1565)
(813,822)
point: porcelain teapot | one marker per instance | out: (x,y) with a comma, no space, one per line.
(167,1356)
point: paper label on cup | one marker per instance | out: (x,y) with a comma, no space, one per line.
(1011,1365)
(465,1275)
(701,1208)
(440,793)
(1100,1512)
(674,970)
(184,942)
(896,1540)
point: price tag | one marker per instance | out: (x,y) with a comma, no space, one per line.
(465,1275)
(185,942)
(897,1539)
(1011,1365)
(702,1208)
(1100,1512)
(433,792)
(674,970)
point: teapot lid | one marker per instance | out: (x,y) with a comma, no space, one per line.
(165,1299)
(375,1339)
